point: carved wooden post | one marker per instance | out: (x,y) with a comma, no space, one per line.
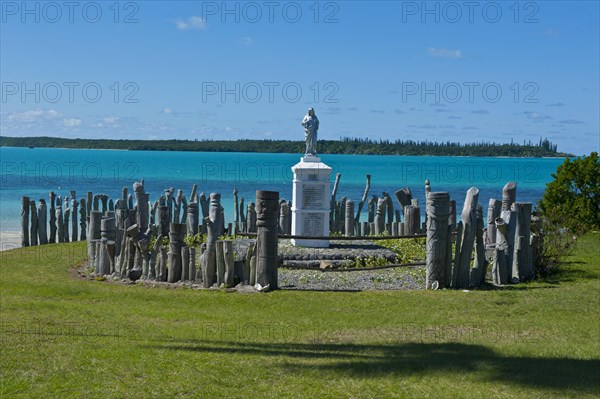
(494,209)
(192,219)
(332,219)
(521,267)
(104,200)
(192,263)
(66,219)
(284,214)
(362,201)
(169,202)
(82,220)
(236,212)
(204,206)
(372,207)
(404,197)
(25,221)
(177,207)
(390,208)
(456,260)
(33,228)
(244,222)
(107,235)
(141,200)
(42,213)
(438,211)
(229,263)
(157,267)
(380,216)
(176,235)
(90,200)
(210,254)
(247,269)
(163,216)
(59,221)
(251,217)
(267,260)
(509,194)
(449,260)
(74,224)
(185,263)
(349,225)
(480,265)
(499,269)
(452,220)
(94,235)
(220,263)
(469,219)
(412,220)
(52,237)
(366,230)
(216,212)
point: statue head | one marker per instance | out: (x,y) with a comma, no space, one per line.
(311,112)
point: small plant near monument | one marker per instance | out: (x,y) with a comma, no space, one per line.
(406,250)
(194,241)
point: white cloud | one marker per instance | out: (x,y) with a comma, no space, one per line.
(535,116)
(167,111)
(444,52)
(110,120)
(33,115)
(246,41)
(192,22)
(72,122)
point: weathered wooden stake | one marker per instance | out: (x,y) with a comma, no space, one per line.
(438,211)
(33,227)
(266,260)
(480,265)
(469,220)
(229,263)
(349,223)
(42,216)
(52,237)
(25,207)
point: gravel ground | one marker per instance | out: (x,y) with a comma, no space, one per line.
(400,278)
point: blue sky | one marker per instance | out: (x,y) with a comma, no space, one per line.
(493,71)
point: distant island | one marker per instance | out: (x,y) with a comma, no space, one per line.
(346,145)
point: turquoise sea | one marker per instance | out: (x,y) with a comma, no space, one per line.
(35,172)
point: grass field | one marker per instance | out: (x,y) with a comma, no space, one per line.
(64,337)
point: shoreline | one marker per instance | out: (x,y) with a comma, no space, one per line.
(294,153)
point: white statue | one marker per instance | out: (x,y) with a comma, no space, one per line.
(310,123)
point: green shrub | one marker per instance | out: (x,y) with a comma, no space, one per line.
(572,199)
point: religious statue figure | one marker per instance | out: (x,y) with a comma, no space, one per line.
(310,123)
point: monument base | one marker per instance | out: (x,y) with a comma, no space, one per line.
(311,202)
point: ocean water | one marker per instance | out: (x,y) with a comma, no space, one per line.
(37,171)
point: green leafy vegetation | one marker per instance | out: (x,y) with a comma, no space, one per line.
(343,146)
(407,250)
(572,199)
(62,336)
(194,241)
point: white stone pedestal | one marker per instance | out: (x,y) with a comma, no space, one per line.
(311,202)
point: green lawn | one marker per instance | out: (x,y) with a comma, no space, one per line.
(64,337)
